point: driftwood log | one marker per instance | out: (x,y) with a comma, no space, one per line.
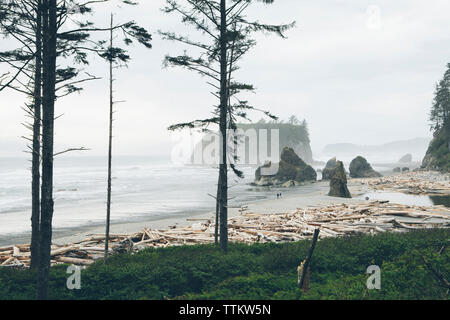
(418,183)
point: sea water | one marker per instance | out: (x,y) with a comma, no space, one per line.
(142,188)
(409,199)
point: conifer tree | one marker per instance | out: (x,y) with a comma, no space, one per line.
(228,36)
(440,110)
(39,28)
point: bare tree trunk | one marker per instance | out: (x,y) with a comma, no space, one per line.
(36,148)
(307,261)
(48,113)
(111,103)
(216,228)
(223,178)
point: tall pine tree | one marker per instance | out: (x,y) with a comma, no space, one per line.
(228,36)
(440,111)
(39,28)
(438,154)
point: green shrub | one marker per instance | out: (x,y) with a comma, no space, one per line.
(258,271)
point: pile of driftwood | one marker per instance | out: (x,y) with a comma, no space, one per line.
(334,220)
(337,220)
(418,183)
(84,252)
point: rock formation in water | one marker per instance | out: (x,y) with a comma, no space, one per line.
(329,167)
(338,182)
(292,170)
(407,158)
(360,168)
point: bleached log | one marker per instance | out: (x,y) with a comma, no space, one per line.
(9,260)
(91,249)
(63,250)
(402,225)
(342,218)
(16,252)
(184,238)
(75,261)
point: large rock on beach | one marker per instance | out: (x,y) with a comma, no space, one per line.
(360,168)
(328,170)
(292,170)
(338,182)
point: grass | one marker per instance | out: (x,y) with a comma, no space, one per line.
(259,271)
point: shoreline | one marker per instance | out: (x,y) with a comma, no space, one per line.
(310,195)
(315,195)
(294,217)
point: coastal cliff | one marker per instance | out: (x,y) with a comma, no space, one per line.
(438,153)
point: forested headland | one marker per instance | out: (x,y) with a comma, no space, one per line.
(292,134)
(438,154)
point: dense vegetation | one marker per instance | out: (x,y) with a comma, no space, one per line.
(259,271)
(438,154)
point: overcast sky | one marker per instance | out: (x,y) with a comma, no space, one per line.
(358,71)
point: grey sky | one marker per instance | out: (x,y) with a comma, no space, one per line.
(355,78)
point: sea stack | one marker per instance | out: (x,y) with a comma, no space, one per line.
(338,182)
(360,168)
(328,170)
(292,170)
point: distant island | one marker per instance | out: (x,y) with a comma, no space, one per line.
(293,134)
(416,147)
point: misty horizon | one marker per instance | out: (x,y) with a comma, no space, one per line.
(334,71)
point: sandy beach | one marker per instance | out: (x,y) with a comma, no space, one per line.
(310,195)
(390,203)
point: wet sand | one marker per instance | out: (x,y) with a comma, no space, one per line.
(311,195)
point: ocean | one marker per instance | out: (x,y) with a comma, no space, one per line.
(142,187)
